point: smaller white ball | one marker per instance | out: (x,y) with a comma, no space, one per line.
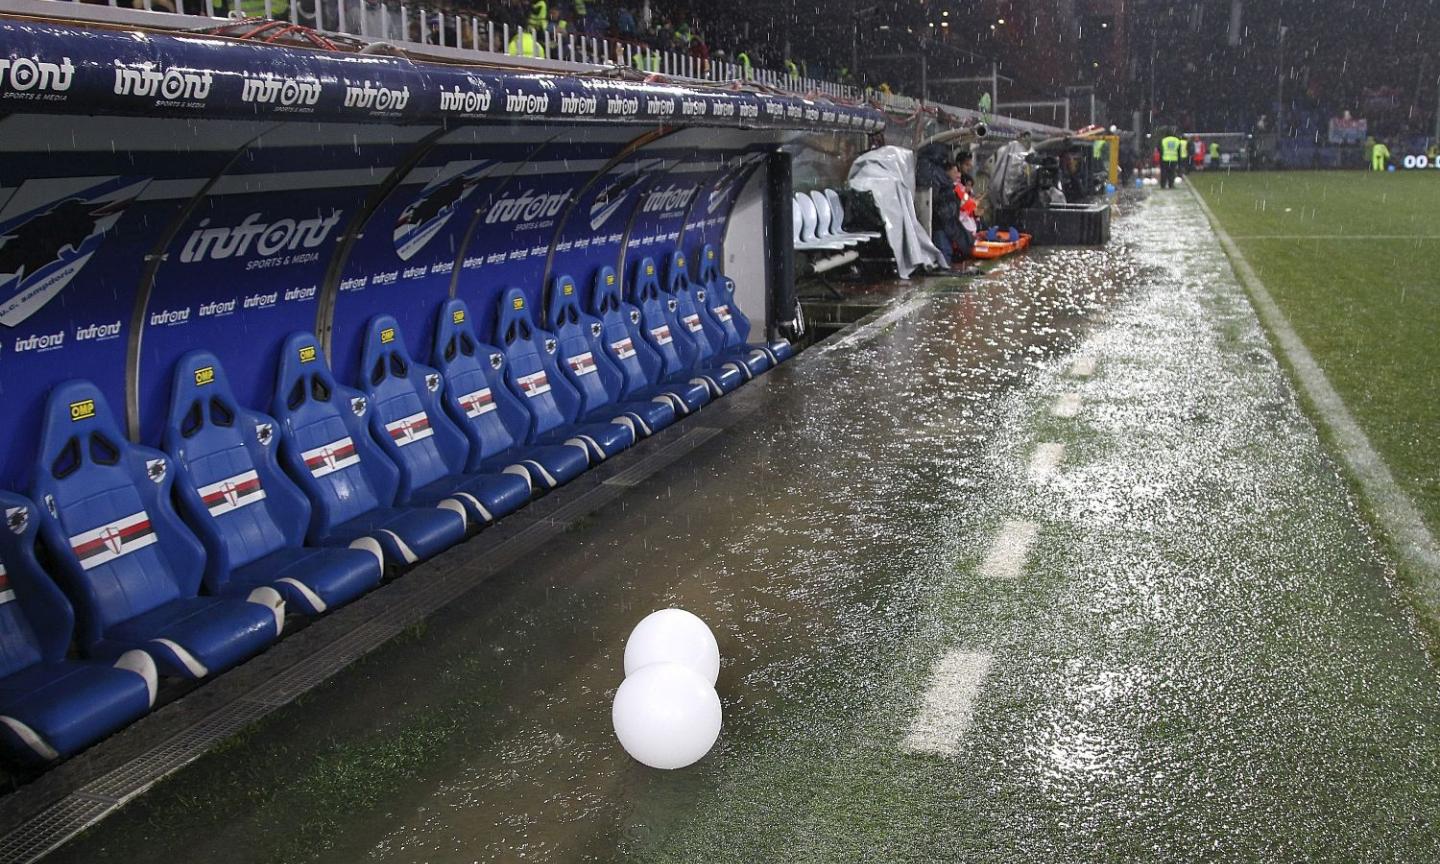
(666,716)
(673,636)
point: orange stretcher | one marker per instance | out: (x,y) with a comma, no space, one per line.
(999,242)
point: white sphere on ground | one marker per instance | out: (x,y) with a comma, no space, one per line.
(673,636)
(666,716)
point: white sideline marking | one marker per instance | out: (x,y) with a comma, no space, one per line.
(1011,549)
(1334,236)
(1083,367)
(860,334)
(1046,459)
(1396,512)
(1066,406)
(949,703)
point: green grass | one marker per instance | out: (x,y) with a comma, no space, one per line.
(1369,310)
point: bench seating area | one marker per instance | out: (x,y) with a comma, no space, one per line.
(126,565)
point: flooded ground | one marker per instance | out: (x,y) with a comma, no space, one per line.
(1198,657)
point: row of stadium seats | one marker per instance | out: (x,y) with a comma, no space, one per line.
(185,562)
(819,218)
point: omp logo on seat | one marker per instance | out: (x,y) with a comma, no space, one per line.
(408,430)
(332,457)
(307,353)
(108,542)
(204,375)
(518,303)
(82,410)
(534,384)
(458,316)
(387,335)
(477,402)
(232,493)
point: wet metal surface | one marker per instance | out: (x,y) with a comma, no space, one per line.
(1199,657)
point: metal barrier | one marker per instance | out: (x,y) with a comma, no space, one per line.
(420,26)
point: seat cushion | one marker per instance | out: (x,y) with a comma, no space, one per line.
(197,636)
(485,497)
(66,706)
(779,351)
(399,537)
(753,359)
(602,439)
(649,417)
(689,388)
(547,466)
(312,581)
(722,377)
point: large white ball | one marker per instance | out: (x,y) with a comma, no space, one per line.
(666,716)
(673,636)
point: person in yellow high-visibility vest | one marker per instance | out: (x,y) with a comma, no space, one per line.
(1184,164)
(1379,156)
(279,9)
(524,44)
(1169,160)
(746,70)
(539,16)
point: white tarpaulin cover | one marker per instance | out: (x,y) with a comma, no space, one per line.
(888,173)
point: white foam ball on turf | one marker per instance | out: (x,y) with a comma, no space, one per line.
(666,716)
(673,636)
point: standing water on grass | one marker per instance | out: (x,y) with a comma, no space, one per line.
(1197,655)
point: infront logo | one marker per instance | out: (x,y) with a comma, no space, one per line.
(374,97)
(23,74)
(82,410)
(280,90)
(269,238)
(670,198)
(526,206)
(170,85)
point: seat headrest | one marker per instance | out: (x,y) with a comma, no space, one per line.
(456,345)
(606,294)
(384,353)
(677,274)
(564,302)
(709,263)
(200,397)
(514,322)
(645,284)
(304,374)
(78,429)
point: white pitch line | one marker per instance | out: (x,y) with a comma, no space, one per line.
(1046,460)
(1083,367)
(1397,513)
(1066,406)
(955,681)
(1010,550)
(1333,237)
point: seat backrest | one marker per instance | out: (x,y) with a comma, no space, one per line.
(808,217)
(621,335)
(406,414)
(823,217)
(118,547)
(837,212)
(720,298)
(532,370)
(325,439)
(474,391)
(657,319)
(690,309)
(583,358)
(797,221)
(227,477)
(36,621)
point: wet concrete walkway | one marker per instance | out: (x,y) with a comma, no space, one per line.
(1049,568)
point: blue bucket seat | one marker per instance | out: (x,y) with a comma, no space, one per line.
(625,344)
(722,374)
(129,564)
(327,449)
(51,707)
(662,332)
(430,450)
(720,298)
(533,373)
(585,363)
(250,517)
(494,420)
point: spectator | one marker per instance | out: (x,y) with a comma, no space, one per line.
(625,23)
